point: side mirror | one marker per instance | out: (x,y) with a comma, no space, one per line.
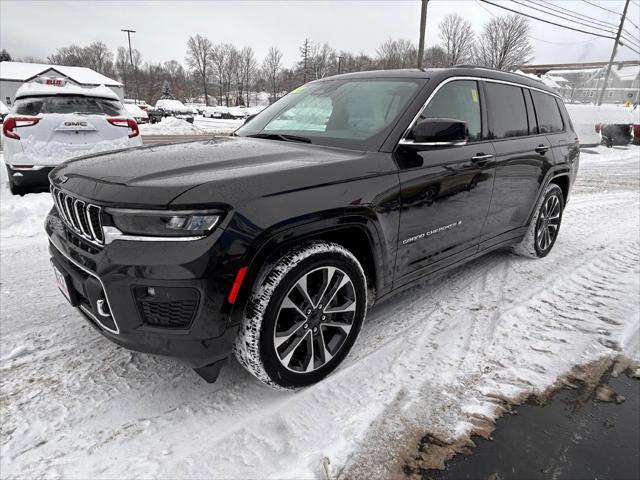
(439,132)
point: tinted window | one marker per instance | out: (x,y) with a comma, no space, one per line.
(353,113)
(548,113)
(458,100)
(67,104)
(506,109)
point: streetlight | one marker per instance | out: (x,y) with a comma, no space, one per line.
(135,72)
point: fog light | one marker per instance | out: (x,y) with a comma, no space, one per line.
(151,291)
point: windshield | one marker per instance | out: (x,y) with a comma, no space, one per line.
(355,113)
(67,104)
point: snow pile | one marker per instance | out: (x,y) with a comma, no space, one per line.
(21,217)
(585,117)
(34,88)
(201,126)
(38,152)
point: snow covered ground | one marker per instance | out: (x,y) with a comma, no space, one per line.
(200,126)
(434,358)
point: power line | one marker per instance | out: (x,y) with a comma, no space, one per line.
(562,17)
(548,21)
(574,14)
(600,7)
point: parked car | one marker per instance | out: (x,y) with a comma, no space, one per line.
(198,108)
(615,133)
(51,123)
(137,113)
(212,112)
(228,113)
(170,108)
(272,243)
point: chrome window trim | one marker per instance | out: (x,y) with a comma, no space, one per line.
(106,297)
(403,139)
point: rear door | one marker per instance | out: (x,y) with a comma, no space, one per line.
(523,156)
(558,130)
(445,190)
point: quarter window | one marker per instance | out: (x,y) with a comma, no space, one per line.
(549,118)
(458,100)
(507,111)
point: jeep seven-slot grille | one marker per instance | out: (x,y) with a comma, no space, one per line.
(81,217)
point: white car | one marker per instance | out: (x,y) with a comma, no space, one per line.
(52,122)
(225,112)
(139,115)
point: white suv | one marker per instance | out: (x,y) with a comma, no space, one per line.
(52,122)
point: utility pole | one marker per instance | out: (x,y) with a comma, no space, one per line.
(135,73)
(423,26)
(339,64)
(613,55)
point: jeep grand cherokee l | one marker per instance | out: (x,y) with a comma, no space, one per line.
(273,242)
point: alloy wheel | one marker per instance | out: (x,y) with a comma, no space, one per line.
(314,319)
(548,223)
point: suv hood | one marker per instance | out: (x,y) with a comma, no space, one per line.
(155,175)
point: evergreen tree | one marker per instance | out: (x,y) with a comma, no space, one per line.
(166,91)
(4,56)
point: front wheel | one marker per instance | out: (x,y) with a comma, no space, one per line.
(545,225)
(303,316)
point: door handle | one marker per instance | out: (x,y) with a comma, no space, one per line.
(481,158)
(542,149)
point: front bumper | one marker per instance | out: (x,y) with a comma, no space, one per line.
(36,177)
(164,298)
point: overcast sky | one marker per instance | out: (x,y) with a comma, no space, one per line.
(37,28)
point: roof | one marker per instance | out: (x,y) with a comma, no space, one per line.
(628,72)
(19,71)
(440,74)
(36,89)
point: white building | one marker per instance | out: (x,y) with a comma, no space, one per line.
(14,74)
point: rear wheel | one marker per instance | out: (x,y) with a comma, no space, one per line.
(304,316)
(545,224)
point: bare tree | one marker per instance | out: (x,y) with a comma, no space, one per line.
(248,67)
(457,39)
(305,54)
(396,54)
(323,60)
(504,43)
(199,54)
(435,57)
(271,67)
(72,56)
(5,56)
(99,58)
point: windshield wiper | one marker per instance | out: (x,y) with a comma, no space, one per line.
(281,136)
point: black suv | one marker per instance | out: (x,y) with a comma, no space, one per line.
(273,242)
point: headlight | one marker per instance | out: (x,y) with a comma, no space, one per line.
(164,223)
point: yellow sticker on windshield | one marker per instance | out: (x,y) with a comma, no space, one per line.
(474,96)
(298,90)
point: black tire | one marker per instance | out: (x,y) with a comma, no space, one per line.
(545,225)
(313,339)
(16,190)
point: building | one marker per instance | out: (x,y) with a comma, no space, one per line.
(582,82)
(14,74)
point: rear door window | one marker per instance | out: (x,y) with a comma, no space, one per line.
(458,100)
(67,104)
(506,110)
(548,113)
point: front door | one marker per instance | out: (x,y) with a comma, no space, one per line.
(445,190)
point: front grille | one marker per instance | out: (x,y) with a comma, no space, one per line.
(176,314)
(81,217)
